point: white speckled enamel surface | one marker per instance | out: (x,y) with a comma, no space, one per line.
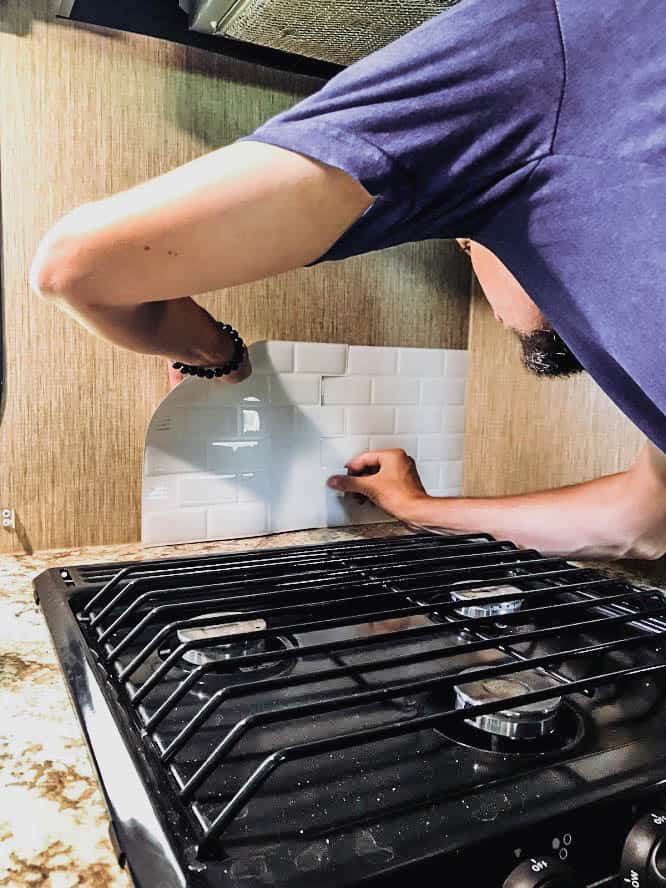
(228,461)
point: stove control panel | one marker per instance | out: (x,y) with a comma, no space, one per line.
(542,872)
(644,856)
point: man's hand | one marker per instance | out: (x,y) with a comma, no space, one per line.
(617,516)
(387,477)
(245,370)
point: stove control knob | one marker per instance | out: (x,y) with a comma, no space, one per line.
(542,872)
(644,856)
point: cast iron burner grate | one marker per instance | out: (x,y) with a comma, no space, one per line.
(293,687)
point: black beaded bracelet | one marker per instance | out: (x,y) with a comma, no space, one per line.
(230,367)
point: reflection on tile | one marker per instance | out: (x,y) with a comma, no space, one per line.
(252,486)
(240,520)
(174,526)
(222,422)
(232,457)
(228,461)
(189,457)
(160,493)
(281,420)
(254,421)
(199,490)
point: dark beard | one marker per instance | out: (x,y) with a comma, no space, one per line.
(546,354)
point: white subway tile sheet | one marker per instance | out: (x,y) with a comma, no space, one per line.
(226,461)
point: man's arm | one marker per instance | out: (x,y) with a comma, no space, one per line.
(126,267)
(617,516)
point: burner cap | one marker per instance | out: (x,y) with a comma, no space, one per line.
(489,608)
(225,632)
(529,721)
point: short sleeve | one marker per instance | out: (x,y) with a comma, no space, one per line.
(441,126)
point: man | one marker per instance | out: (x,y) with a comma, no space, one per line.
(534,131)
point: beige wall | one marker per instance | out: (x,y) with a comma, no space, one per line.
(85,113)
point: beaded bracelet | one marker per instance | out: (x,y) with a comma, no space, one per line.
(230,367)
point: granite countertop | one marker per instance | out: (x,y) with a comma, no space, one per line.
(53,822)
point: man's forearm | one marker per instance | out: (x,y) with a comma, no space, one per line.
(178,329)
(602,518)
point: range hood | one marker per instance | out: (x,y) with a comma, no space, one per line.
(316,37)
(338,31)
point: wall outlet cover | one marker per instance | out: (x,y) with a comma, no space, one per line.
(227,461)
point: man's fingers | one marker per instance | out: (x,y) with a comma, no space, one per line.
(175,377)
(349,484)
(371,459)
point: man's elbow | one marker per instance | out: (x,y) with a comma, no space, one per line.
(58,270)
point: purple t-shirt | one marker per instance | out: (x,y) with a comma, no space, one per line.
(537,128)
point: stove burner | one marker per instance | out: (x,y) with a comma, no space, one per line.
(489,609)
(228,648)
(527,722)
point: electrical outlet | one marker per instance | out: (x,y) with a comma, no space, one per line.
(8,518)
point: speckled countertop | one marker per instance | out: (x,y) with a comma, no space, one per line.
(53,822)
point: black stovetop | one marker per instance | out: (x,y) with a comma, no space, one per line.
(289,716)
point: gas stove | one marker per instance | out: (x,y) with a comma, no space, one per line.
(371,711)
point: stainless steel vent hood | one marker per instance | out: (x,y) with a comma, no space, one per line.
(336,31)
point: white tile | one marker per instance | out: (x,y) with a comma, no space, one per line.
(335,452)
(160,494)
(234,457)
(190,456)
(319,420)
(442,391)
(429,473)
(281,422)
(371,360)
(240,520)
(221,422)
(295,388)
(321,357)
(420,362)
(273,431)
(453,419)
(389,442)
(346,390)
(456,362)
(418,420)
(179,526)
(395,390)
(451,475)
(442,447)
(272,357)
(206,490)
(253,486)
(369,420)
